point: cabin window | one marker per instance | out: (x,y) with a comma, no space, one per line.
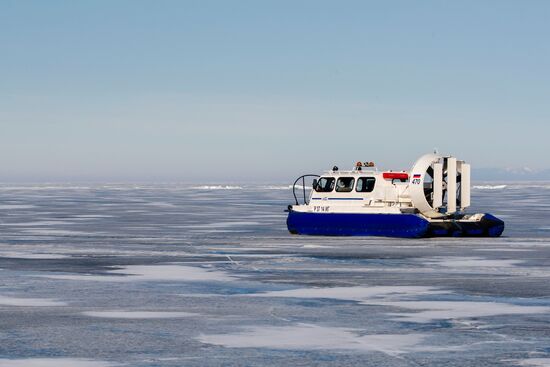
(365,184)
(345,184)
(325,184)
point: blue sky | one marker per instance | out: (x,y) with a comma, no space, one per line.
(265,90)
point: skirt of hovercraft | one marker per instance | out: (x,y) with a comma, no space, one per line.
(388,225)
(488,226)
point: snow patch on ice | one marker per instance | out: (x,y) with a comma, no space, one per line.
(429,311)
(160,204)
(358,294)
(38,223)
(25,255)
(402,297)
(54,362)
(499,249)
(29,302)
(314,337)
(152,273)
(316,246)
(56,232)
(537,362)
(217,187)
(15,206)
(284,187)
(224,224)
(472,262)
(489,187)
(121,314)
(275,187)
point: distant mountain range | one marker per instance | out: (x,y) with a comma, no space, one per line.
(510,174)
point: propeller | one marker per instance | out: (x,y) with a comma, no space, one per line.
(444,187)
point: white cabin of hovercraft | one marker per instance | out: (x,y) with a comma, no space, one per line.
(436,187)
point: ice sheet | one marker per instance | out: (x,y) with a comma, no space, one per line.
(135,283)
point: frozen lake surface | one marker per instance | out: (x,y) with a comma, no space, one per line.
(183,275)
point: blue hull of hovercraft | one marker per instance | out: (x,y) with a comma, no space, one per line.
(388,225)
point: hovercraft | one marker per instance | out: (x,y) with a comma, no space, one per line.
(428,201)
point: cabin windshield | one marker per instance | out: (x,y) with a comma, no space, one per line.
(365,184)
(325,184)
(345,184)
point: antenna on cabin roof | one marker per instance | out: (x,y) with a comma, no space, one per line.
(435,150)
